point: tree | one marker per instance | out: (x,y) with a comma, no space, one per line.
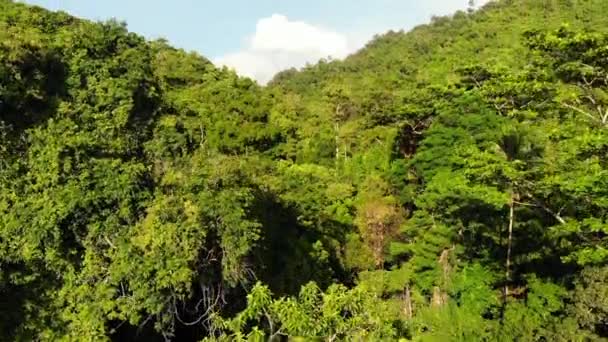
(579,61)
(333,315)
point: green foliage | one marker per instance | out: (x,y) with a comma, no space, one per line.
(590,306)
(338,313)
(444,184)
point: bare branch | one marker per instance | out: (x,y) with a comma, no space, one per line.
(270,323)
(210,307)
(277,333)
(539,204)
(582,112)
(109,242)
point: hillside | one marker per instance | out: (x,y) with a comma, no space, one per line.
(390,78)
(442,184)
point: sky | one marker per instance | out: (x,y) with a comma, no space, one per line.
(259,38)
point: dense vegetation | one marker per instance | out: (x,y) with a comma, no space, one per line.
(444,184)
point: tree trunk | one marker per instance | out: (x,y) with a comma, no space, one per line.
(439,297)
(337,128)
(407,305)
(378,230)
(509,243)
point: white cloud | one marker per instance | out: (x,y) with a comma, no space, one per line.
(277,33)
(279,43)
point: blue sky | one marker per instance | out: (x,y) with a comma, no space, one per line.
(260,37)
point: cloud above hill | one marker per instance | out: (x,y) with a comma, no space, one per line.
(280,43)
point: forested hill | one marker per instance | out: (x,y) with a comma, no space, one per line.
(444,184)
